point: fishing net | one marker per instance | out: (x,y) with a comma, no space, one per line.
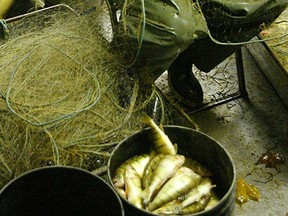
(278,35)
(22,147)
(66,98)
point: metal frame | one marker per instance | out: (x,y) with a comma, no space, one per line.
(185,112)
(242,92)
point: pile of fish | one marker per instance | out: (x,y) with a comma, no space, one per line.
(164,182)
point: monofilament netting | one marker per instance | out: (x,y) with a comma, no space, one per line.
(66,99)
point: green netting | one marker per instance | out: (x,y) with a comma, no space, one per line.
(66,99)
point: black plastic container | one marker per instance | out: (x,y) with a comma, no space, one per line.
(193,144)
(59,191)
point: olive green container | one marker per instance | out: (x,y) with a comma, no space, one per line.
(59,191)
(193,144)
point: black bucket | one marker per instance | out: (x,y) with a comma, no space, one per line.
(193,144)
(59,191)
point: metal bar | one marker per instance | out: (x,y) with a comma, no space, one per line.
(240,72)
(241,83)
(226,99)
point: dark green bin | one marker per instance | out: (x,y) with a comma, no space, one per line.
(191,143)
(59,191)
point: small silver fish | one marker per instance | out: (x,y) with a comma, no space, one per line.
(121,191)
(195,194)
(148,173)
(4,7)
(181,183)
(162,143)
(213,201)
(133,187)
(138,163)
(175,208)
(171,208)
(38,3)
(164,170)
(196,206)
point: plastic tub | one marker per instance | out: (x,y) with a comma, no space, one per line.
(59,191)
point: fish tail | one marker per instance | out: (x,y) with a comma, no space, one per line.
(168,209)
(175,146)
(146,119)
(146,196)
(4,7)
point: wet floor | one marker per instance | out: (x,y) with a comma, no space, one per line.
(247,128)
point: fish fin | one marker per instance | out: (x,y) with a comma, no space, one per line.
(145,118)
(175,147)
(5,5)
(145,196)
(152,153)
(121,192)
(161,127)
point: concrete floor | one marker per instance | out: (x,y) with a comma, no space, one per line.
(247,128)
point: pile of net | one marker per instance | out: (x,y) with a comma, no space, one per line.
(65,97)
(277,35)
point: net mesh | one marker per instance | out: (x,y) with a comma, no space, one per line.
(278,35)
(66,99)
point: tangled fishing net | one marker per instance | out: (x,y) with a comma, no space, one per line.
(277,34)
(65,97)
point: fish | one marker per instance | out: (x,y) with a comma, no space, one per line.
(171,208)
(213,201)
(121,191)
(161,141)
(137,162)
(149,170)
(196,193)
(181,183)
(175,208)
(164,170)
(196,206)
(38,3)
(4,7)
(133,186)
(197,167)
